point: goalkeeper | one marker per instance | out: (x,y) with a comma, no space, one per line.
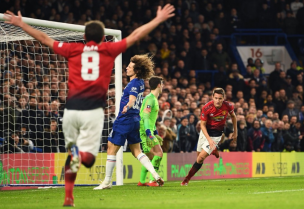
(150,140)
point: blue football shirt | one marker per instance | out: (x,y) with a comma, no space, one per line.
(136,88)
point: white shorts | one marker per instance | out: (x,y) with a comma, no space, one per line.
(204,144)
(84,128)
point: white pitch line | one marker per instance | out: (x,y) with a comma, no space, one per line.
(277,191)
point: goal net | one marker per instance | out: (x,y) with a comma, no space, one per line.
(33,94)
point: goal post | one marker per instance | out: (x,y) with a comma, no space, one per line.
(22,58)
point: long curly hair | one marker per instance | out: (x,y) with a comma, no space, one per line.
(143,66)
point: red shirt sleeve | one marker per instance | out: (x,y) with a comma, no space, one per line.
(230,107)
(204,114)
(62,48)
(115,48)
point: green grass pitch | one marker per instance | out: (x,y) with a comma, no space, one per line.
(276,193)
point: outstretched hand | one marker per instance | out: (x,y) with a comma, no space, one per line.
(165,13)
(13,19)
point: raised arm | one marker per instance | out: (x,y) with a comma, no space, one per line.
(37,34)
(161,16)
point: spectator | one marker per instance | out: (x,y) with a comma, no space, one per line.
(293,129)
(169,137)
(289,139)
(267,135)
(173,126)
(27,144)
(301,114)
(249,121)
(274,76)
(13,144)
(33,120)
(183,135)
(293,72)
(193,134)
(299,88)
(290,110)
(219,58)
(202,61)
(235,21)
(9,115)
(278,144)
(295,98)
(299,80)
(228,144)
(281,101)
(255,137)
(262,100)
(242,136)
(269,101)
(165,52)
(249,73)
(236,80)
(258,64)
(51,142)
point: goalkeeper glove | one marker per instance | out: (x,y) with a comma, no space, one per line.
(160,140)
(149,134)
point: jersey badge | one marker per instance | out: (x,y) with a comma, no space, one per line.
(224,112)
(148,108)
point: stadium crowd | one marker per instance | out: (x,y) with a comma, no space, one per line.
(269,108)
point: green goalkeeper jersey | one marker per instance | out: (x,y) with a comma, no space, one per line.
(148,113)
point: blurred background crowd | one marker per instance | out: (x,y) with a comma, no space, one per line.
(269,107)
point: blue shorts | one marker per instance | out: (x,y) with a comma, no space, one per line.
(121,132)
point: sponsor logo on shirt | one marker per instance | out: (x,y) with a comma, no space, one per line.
(134,89)
(218,118)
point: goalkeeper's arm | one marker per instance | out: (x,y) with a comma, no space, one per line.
(37,34)
(146,116)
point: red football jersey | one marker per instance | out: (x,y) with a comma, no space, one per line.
(216,117)
(90,69)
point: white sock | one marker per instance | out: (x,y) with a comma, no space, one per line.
(144,160)
(111,162)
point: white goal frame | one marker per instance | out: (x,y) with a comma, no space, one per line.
(118,72)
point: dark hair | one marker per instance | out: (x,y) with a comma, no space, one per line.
(154,81)
(53,121)
(183,118)
(255,120)
(32,97)
(143,66)
(94,31)
(218,91)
